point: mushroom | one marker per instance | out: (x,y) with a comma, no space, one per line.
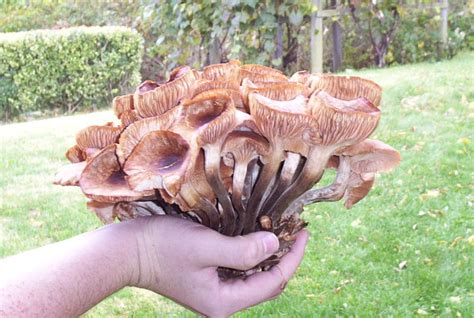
(357,166)
(244,147)
(134,133)
(103,180)
(287,128)
(75,154)
(208,119)
(222,72)
(346,87)
(154,102)
(340,124)
(121,104)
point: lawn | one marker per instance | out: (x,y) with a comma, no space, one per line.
(405,250)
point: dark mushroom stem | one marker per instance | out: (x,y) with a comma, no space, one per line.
(287,175)
(262,187)
(212,161)
(310,174)
(206,211)
(333,192)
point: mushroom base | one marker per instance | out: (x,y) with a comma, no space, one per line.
(286,232)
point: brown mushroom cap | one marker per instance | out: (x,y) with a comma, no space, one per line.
(245,145)
(97,137)
(166,96)
(70,174)
(279,91)
(222,72)
(146,86)
(102,179)
(179,71)
(122,103)
(75,154)
(128,117)
(209,117)
(159,161)
(285,122)
(204,85)
(366,158)
(256,68)
(347,87)
(132,135)
(343,122)
(261,76)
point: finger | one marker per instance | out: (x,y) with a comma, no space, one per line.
(239,252)
(264,286)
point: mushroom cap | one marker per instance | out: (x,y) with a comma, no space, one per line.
(132,135)
(166,96)
(209,117)
(103,180)
(256,68)
(178,72)
(128,117)
(222,72)
(70,174)
(159,161)
(122,103)
(301,77)
(245,146)
(75,154)
(261,76)
(285,123)
(371,156)
(342,122)
(359,187)
(282,91)
(97,136)
(203,85)
(146,86)
(346,87)
(233,94)
(366,158)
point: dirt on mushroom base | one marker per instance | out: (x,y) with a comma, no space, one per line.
(297,127)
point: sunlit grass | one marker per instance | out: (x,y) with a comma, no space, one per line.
(421,213)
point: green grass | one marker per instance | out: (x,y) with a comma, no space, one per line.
(421,213)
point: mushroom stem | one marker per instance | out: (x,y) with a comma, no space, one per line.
(212,161)
(287,175)
(202,206)
(253,170)
(333,192)
(262,187)
(238,185)
(310,174)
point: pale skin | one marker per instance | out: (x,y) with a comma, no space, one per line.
(172,257)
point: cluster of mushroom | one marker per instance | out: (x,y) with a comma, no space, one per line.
(235,147)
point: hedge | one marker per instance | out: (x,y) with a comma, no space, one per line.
(66,70)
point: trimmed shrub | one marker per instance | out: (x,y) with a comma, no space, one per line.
(66,70)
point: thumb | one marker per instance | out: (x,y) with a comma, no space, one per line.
(244,252)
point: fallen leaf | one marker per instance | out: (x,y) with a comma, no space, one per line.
(455,299)
(456,241)
(470,240)
(433,193)
(464,141)
(421,312)
(356,223)
(403,265)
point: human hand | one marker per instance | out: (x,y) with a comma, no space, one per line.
(178,259)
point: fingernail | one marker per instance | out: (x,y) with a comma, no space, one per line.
(270,241)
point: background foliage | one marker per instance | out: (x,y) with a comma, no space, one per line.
(270,32)
(66,69)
